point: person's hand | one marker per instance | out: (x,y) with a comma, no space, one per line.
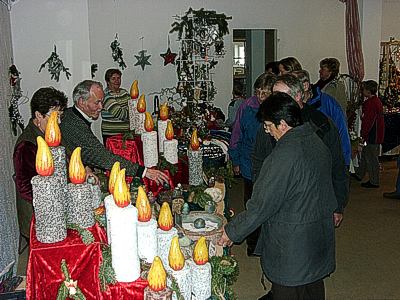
(236,170)
(157,176)
(224,240)
(90,174)
(337,219)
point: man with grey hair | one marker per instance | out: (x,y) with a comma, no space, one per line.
(330,108)
(88,99)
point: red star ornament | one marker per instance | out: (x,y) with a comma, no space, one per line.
(169,57)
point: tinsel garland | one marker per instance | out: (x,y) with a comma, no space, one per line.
(69,288)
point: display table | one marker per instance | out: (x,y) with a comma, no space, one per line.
(44,274)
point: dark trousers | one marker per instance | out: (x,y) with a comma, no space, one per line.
(311,291)
(253,237)
(369,163)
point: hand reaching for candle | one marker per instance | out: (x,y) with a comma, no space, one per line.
(224,239)
(90,177)
(157,176)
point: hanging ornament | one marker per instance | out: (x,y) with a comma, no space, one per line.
(142,58)
(93,69)
(16,94)
(117,52)
(55,66)
(169,57)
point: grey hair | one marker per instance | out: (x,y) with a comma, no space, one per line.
(82,90)
(293,83)
(303,76)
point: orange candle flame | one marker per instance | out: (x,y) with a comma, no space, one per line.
(148,122)
(175,257)
(165,221)
(134,92)
(141,105)
(164,111)
(169,131)
(143,206)
(157,276)
(53,133)
(77,172)
(194,141)
(200,252)
(122,196)
(113,176)
(44,159)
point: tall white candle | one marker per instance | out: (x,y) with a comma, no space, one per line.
(150,153)
(171,151)
(122,229)
(195,158)
(139,124)
(147,240)
(162,126)
(132,103)
(201,280)
(183,279)
(164,239)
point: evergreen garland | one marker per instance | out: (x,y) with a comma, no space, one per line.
(106,271)
(86,236)
(69,288)
(225,271)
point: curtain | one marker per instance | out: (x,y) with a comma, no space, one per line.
(9,232)
(355,59)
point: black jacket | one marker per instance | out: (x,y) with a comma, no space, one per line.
(328,132)
(293,200)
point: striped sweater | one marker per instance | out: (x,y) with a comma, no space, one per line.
(115,114)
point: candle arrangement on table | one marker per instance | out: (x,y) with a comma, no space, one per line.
(140,116)
(170,144)
(48,197)
(157,279)
(201,270)
(149,139)
(122,219)
(146,228)
(180,270)
(132,103)
(165,233)
(195,158)
(162,125)
(79,194)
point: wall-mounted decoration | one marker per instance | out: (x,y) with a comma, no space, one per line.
(142,58)
(93,69)
(16,95)
(55,66)
(169,56)
(117,53)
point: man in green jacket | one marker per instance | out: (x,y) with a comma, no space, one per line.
(76,131)
(293,200)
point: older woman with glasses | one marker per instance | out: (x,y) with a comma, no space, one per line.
(243,138)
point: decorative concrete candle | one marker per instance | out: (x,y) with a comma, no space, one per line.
(79,194)
(162,125)
(149,139)
(157,278)
(180,270)
(165,233)
(201,271)
(170,145)
(195,158)
(122,222)
(146,228)
(48,198)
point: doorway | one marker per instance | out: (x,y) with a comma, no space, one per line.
(252,49)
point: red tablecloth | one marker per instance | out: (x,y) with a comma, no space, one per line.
(133,150)
(44,274)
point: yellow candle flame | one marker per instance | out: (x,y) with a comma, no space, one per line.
(175,257)
(141,105)
(44,160)
(77,172)
(169,131)
(143,206)
(165,221)
(134,92)
(200,252)
(164,111)
(148,122)
(113,176)
(53,133)
(194,141)
(157,277)
(122,196)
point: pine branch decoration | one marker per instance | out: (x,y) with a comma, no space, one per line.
(86,236)
(106,271)
(55,66)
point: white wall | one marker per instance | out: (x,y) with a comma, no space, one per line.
(39,24)
(390,19)
(84,29)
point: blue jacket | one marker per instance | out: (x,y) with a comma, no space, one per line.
(331,108)
(243,136)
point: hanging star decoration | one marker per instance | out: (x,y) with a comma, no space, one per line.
(142,58)
(169,57)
